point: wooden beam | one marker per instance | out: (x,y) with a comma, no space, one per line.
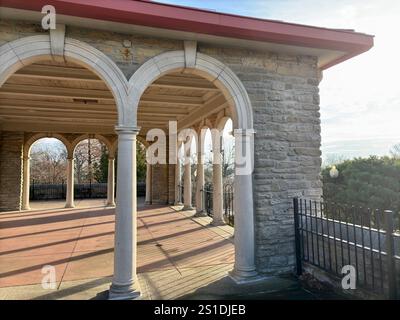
(212,106)
(57,73)
(57,104)
(44,77)
(178,100)
(175,82)
(46,126)
(58,92)
(163,110)
(80,111)
(57,116)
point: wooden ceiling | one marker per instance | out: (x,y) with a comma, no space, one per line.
(65,97)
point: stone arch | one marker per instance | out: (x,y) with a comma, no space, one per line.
(221,122)
(108,143)
(201,134)
(212,69)
(22,52)
(242,116)
(26,161)
(31,140)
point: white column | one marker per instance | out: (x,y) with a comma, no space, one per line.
(25,183)
(218,196)
(187,185)
(110,182)
(200,212)
(125,284)
(148,184)
(70,183)
(244,269)
(178,183)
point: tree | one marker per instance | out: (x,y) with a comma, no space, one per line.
(372,182)
(395,151)
(228,165)
(141,164)
(333,159)
(48,162)
(87,157)
(100,168)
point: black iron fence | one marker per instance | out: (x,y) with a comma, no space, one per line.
(56,191)
(331,236)
(227,202)
(180,193)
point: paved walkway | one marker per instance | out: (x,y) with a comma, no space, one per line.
(177,255)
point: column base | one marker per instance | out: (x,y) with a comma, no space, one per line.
(187,208)
(26,208)
(245,276)
(70,206)
(110,204)
(147,202)
(178,203)
(218,223)
(124,292)
(200,214)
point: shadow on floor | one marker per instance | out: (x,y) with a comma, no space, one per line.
(274,288)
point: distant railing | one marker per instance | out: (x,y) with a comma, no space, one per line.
(331,236)
(227,202)
(57,191)
(180,193)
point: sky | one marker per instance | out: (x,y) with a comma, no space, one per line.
(360,98)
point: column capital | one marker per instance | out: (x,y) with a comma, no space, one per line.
(244,132)
(127,130)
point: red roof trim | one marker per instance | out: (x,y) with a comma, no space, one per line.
(166,16)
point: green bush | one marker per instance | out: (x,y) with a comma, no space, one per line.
(372,182)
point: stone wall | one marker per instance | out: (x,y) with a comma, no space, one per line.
(171,184)
(159,184)
(284,94)
(11,144)
(283,90)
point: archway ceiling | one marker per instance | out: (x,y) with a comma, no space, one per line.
(65,97)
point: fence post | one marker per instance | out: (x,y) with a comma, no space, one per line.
(390,253)
(299,269)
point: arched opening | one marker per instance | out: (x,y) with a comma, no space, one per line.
(71,101)
(167,75)
(193,102)
(91,160)
(69,98)
(48,172)
(68,101)
(227,151)
(143,175)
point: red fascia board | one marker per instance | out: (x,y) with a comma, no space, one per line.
(180,18)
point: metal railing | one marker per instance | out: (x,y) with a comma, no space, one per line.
(331,236)
(227,202)
(54,191)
